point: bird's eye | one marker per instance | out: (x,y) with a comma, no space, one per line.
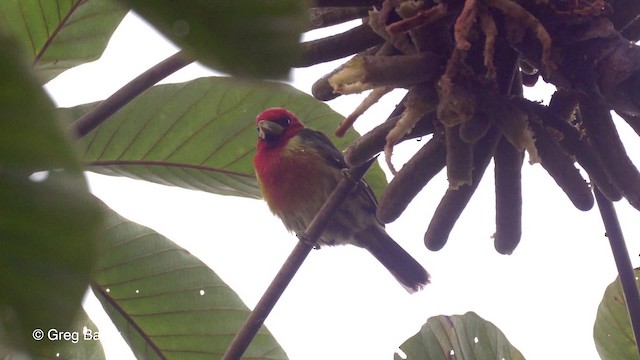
(283,121)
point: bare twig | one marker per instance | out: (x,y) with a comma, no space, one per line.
(623,262)
(125,94)
(262,309)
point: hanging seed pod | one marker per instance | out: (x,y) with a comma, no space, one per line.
(563,104)
(570,139)
(478,55)
(475,129)
(373,142)
(457,103)
(413,176)
(508,175)
(459,158)
(402,71)
(560,166)
(338,46)
(323,91)
(604,138)
(454,201)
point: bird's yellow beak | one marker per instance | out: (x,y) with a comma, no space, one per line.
(269,129)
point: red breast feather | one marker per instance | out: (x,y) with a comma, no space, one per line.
(295,181)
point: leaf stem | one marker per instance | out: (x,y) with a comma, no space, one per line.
(623,262)
(262,309)
(128,92)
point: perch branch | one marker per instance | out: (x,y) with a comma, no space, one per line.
(262,309)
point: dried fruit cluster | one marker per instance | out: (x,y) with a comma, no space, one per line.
(464,63)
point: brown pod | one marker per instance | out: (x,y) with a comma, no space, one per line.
(328,16)
(475,129)
(395,71)
(373,142)
(345,3)
(560,166)
(413,176)
(323,91)
(604,138)
(508,166)
(454,201)
(459,158)
(585,156)
(338,46)
(563,104)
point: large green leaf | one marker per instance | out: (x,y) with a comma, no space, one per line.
(48,221)
(199,134)
(467,337)
(612,330)
(165,301)
(61,34)
(246,38)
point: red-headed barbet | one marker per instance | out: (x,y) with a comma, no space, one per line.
(298,168)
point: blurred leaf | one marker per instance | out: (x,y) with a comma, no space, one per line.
(461,337)
(84,343)
(243,38)
(165,301)
(48,222)
(612,330)
(61,34)
(200,134)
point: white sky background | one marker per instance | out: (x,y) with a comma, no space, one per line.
(343,304)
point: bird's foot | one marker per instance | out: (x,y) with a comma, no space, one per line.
(306,240)
(346,174)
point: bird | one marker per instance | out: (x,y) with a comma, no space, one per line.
(297,168)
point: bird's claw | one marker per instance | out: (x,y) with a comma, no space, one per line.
(346,174)
(306,240)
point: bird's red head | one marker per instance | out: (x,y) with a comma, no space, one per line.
(277,126)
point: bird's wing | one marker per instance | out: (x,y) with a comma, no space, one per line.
(335,157)
(322,142)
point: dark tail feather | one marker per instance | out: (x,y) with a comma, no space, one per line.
(402,266)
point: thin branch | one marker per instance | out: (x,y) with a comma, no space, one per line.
(262,309)
(623,262)
(125,94)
